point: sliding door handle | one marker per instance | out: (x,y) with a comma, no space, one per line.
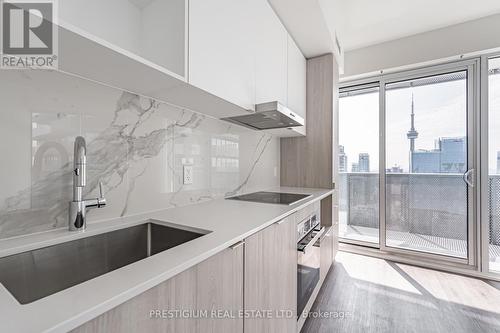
(468,177)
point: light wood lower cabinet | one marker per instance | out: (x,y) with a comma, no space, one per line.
(259,277)
(271,279)
(335,241)
(216,284)
(326,248)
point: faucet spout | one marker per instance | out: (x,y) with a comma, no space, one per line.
(78,207)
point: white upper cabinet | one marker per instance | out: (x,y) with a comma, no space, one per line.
(297,67)
(217,57)
(271,56)
(222,48)
(154,30)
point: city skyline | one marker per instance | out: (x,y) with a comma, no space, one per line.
(448,154)
(437,115)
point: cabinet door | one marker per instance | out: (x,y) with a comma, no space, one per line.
(219,287)
(271,278)
(222,49)
(154,30)
(335,241)
(271,56)
(296,79)
(214,285)
(326,247)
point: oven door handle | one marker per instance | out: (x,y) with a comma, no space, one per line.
(304,248)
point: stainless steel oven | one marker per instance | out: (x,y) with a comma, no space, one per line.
(309,233)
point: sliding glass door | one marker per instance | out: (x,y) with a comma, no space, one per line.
(359,164)
(428,177)
(407,163)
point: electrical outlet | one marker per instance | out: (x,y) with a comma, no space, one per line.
(187,174)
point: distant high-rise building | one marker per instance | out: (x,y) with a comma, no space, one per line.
(364,162)
(448,157)
(355,167)
(342,159)
(453,155)
(395,169)
(498,162)
(425,161)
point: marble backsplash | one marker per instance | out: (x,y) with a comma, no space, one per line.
(136,147)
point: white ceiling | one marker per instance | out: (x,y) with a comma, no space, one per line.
(305,21)
(361,23)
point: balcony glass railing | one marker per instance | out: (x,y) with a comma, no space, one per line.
(423,211)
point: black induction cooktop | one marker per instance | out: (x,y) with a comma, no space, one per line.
(271,197)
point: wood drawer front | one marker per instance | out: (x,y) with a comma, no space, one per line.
(214,284)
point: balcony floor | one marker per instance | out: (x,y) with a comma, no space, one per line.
(418,242)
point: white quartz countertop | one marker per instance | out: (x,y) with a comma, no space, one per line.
(229,221)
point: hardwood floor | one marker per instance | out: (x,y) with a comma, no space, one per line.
(364,294)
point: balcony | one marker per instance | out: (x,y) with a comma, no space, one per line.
(424,212)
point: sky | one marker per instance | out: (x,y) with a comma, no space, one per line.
(440,111)
(359,128)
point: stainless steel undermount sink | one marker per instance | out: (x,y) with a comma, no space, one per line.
(35,274)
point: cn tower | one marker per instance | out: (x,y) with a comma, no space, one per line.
(412,133)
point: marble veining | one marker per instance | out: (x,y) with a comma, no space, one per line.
(136,148)
(260,148)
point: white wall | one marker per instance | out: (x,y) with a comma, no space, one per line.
(465,38)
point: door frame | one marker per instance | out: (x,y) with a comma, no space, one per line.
(355,86)
(472,67)
(483,235)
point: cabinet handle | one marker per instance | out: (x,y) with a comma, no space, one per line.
(237,245)
(281,221)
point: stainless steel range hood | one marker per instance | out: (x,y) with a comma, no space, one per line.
(268,116)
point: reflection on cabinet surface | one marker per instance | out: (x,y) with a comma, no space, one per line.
(271,277)
(215,284)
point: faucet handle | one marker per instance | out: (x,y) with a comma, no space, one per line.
(101,201)
(100,190)
(96,202)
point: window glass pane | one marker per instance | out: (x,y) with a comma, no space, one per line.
(358,165)
(426,157)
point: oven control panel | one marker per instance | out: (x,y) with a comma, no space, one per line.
(308,225)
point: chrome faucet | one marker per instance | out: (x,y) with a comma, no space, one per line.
(78,207)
